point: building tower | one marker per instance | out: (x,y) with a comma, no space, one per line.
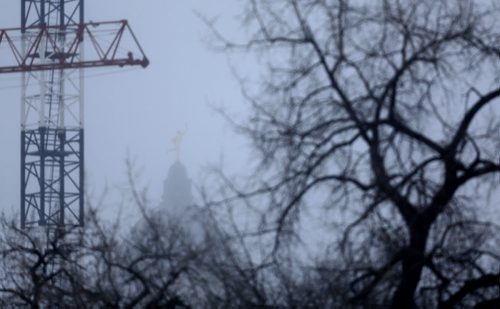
(177,195)
(50,57)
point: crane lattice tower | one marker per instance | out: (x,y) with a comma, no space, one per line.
(49,54)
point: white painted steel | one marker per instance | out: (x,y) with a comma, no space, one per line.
(82,92)
(62,88)
(23,86)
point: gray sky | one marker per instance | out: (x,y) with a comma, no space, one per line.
(141,110)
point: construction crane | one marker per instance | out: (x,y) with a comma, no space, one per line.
(51,49)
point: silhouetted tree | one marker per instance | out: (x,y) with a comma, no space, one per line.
(385,113)
(37,266)
(236,271)
(101,265)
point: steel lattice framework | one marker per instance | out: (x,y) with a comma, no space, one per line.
(48,50)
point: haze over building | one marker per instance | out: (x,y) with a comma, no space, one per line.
(177,204)
(177,195)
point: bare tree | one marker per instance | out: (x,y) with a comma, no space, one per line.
(101,265)
(141,267)
(380,117)
(37,266)
(154,263)
(390,109)
(236,271)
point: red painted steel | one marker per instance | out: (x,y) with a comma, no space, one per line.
(105,53)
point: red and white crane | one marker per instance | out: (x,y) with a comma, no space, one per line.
(51,49)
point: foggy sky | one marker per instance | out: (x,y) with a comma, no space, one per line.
(139,110)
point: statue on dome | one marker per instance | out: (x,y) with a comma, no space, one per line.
(177,141)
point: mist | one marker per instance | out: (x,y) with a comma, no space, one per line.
(272,154)
(135,112)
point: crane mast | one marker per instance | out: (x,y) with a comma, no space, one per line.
(52,135)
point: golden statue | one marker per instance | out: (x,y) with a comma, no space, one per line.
(177,141)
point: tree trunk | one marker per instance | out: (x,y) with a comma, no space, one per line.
(413,262)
